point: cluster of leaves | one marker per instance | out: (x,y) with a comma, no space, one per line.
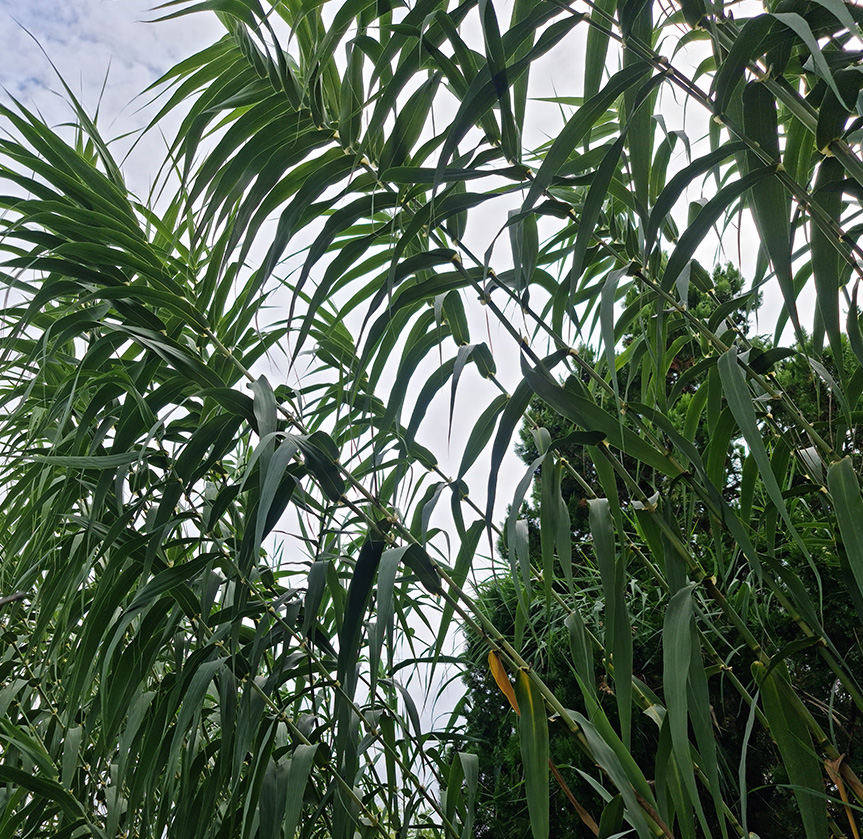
(490,730)
(170,669)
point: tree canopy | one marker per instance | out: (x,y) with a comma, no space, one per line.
(490,731)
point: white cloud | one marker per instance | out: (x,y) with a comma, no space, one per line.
(92,42)
(108,53)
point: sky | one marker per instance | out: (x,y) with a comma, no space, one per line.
(106,51)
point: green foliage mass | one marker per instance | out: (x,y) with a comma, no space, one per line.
(490,732)
(239,538)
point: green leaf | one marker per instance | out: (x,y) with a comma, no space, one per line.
(848,504)
(482,94)
(800,27)
(694,235)
(409,124)
(608,751)
(741,406)
(481,433)
(597,47)
(512,414)
(788,728)
(826,259)
(533,738)
(421,564)
(43,788)
(611,822)
(470,768)
(520,12)
(510,135)
(677,656)
(385,603)
(298,779)
(596,197)
(676,186)
(770,201)
(169,579)
(577,128)
(271,481)
(350,641)
(747,46)
(587,414)
(463,563)
(322,459)
(581,652)
(618,632)
(101,462)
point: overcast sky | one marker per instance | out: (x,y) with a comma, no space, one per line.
(110,42)
(92,42)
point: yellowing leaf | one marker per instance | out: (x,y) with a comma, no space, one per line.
(499,673)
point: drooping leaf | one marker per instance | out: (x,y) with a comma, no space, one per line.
(533,737)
